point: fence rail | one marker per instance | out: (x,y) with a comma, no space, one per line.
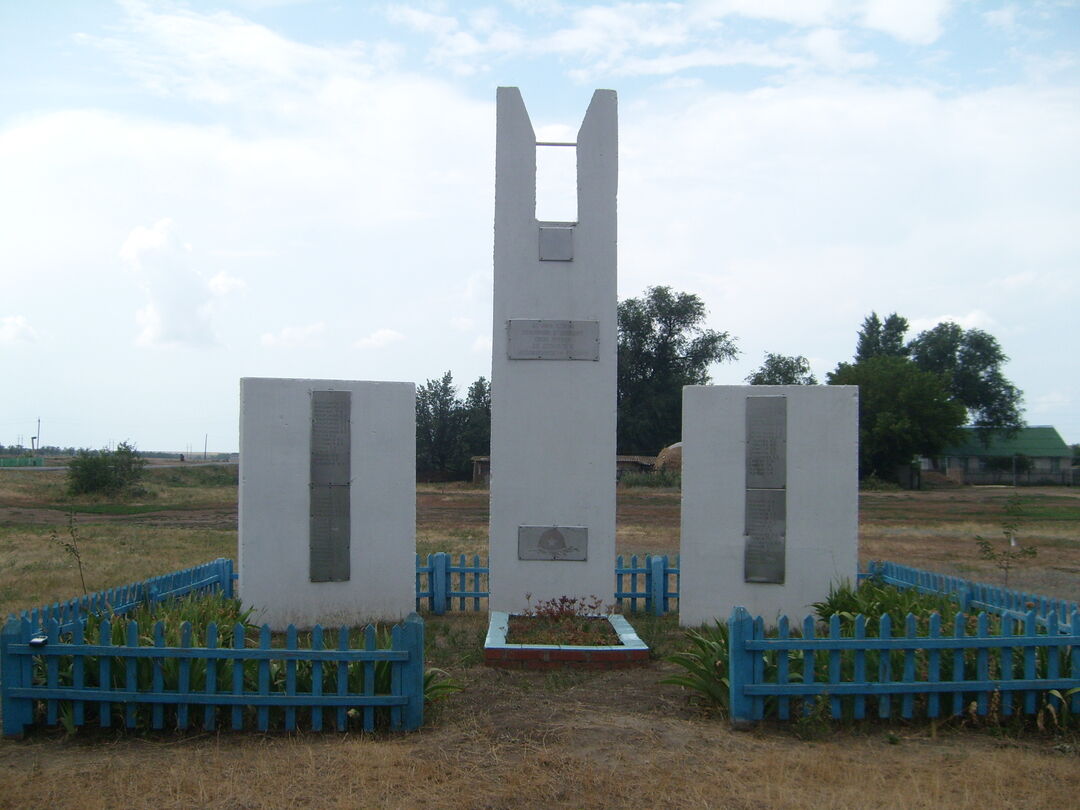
(107,681)
(214,576)
(922,670)
(448,585)
(978,596)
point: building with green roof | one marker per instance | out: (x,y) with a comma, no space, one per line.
(1035,455)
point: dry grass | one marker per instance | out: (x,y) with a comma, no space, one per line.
(36,571)
(513,739)
(522,740)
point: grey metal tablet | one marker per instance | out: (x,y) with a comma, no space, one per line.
(552,340)
(766,442)
(329,528)
(553,543)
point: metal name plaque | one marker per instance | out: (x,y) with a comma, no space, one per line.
(553,543)
(764,560)
(766,513)
(552,340)
(766,442)
(328,531)
(766,493)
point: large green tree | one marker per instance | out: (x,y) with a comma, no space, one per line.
(663,345)
(970,361)
(440,418)
(879,338)
(449,430)
(476,430)
(904,412)
(779,369)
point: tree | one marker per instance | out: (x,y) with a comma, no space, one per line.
(779,369)
(903,412)
(877,339)
(439,421)
(110,472)
(476,430)
(663,346)
(970,363)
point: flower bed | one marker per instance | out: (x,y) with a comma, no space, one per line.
(630,651)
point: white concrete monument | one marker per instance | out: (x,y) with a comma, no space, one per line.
(769,498)
(553,384)
(327,500)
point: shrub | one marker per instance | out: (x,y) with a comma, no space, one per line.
(106,472)
(873,598)
(658,478)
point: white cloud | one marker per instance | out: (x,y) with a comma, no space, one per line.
(827,47)
(975,319)
(379,339)
(223,284)
(293,337)
(176,310)
(916,21)
(1003,18)
(462,324)
(482,345)
(16,329)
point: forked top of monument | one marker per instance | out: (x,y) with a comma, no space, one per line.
(597,148)
(604,104)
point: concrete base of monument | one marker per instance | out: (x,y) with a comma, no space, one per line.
(632,651)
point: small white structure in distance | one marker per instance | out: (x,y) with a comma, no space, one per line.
(327,500)
(769,498)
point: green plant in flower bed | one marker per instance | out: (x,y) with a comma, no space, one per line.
(873,598)
(567,620)
(706,663)
(187,623)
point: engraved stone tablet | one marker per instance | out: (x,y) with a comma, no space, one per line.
(329,486)
(553,542)
(764,560)
(766,442)
(552,340)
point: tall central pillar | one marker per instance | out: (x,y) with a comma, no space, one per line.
(553,381)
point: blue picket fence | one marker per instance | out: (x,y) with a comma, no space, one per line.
(922,671)
(214,576)
(97,681)
(978,596)
(444,584)
(654,581)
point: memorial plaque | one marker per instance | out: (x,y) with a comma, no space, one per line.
(329,486)
(552,340)
(556,243)
(766,442)
(764,560)
(766,513)
(765,522)
(553,543)
(329,533)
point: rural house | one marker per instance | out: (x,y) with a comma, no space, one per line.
(1035,455)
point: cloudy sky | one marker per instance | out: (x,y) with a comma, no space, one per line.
(195,192)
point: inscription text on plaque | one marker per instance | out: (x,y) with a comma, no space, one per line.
(329,486)
(552,340)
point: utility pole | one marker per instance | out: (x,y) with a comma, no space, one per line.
(206,437)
